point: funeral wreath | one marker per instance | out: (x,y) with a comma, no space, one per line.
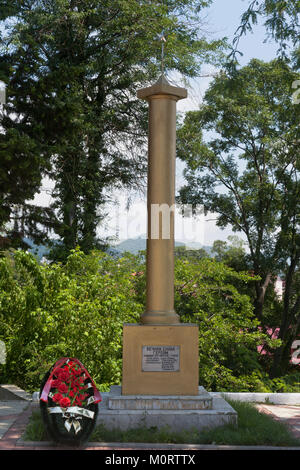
(69,402)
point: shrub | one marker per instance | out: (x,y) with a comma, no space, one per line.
(78,310)
(206,294)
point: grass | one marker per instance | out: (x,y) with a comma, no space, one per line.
(35,430)
(254,428)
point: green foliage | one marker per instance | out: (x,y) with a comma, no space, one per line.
(289,383)
(50,311)
(190,254)
(247,172)
(72,69)
(281,20)
(206,294)
(78,309)
(233,255)
(35,430)
(254,428)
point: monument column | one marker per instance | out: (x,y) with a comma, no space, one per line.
(160,354)
(162,98)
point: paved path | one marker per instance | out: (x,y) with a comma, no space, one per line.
(289,414)
(14,417)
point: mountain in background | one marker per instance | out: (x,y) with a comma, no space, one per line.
(134,245)
(198,246)
(38,250)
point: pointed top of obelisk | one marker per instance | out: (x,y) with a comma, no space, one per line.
(162,87)
(162,80)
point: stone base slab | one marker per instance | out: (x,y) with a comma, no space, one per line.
(176,420)
(256,397)
(117,401)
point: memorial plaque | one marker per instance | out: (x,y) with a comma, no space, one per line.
(161,358)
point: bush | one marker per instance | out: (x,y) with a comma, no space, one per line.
(206,294)
(78,309)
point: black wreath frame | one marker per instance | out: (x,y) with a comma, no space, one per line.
(54,423)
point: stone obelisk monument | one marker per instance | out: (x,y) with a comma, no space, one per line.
(160,354)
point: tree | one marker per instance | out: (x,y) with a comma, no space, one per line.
(20,179)
(72,69)
(207,293)
(53,310)
(248,173)
(281,22)
(233,255)
(182,252)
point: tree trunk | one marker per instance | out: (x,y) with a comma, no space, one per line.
(67,193)
(260,296)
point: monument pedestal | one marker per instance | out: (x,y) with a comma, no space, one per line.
(160,359)
(160,383)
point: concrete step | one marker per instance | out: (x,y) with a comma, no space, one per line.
(177,419)
(12,392)
(117,401)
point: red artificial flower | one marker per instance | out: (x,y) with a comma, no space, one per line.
(65,402)
(62,388)
(69,382)
(62,373)
(64,376)
(55,383)
(57,371)
(57,397)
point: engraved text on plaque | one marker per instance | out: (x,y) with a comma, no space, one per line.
(160,358)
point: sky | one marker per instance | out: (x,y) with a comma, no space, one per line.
(222,19)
